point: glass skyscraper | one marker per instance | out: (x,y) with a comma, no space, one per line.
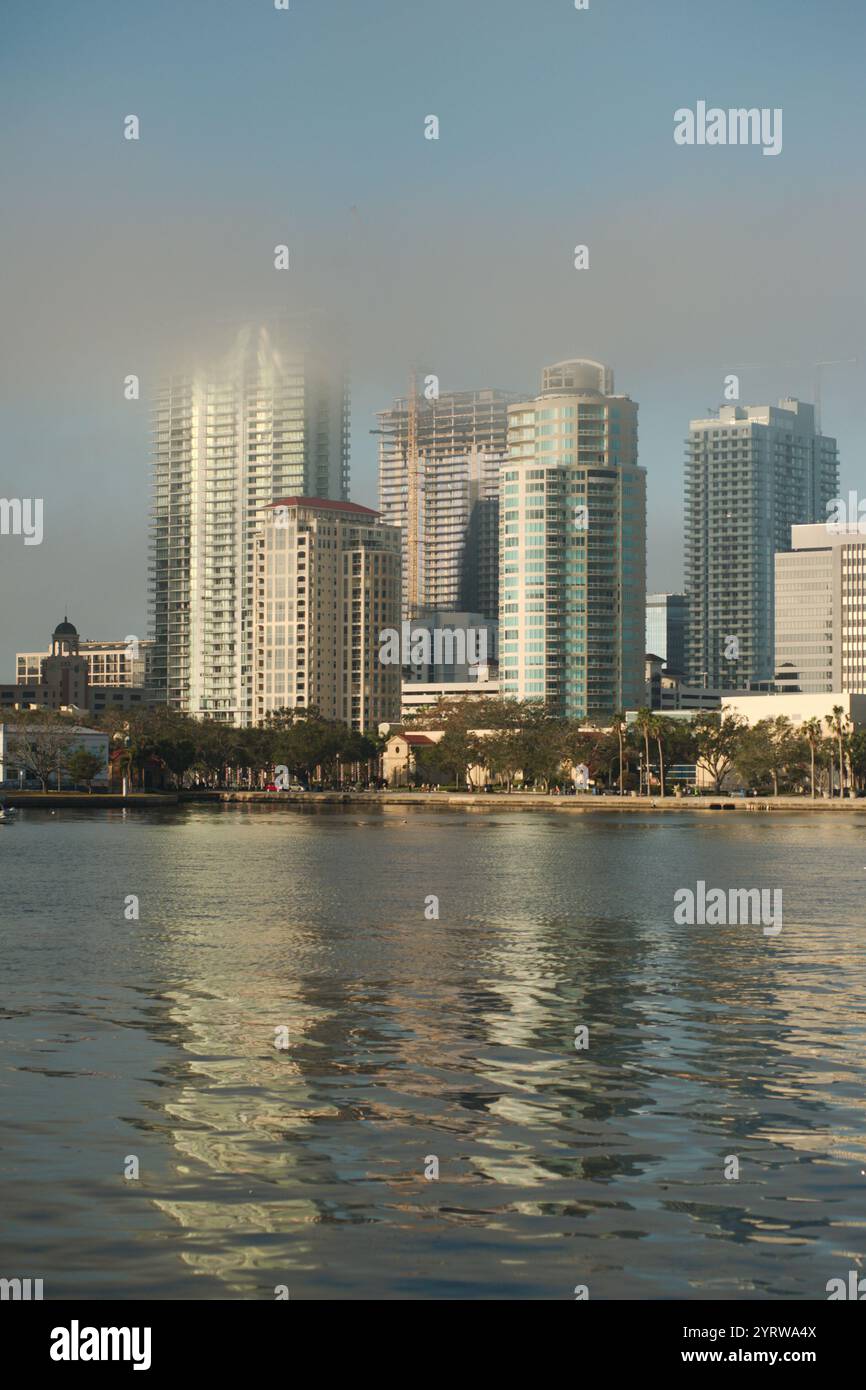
(573,547)
(666,629)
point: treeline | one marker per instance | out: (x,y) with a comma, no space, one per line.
(157,746)
(516,743)
(514,740)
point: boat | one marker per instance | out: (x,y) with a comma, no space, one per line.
(7,814)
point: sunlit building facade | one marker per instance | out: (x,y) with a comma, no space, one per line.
(327,586)
(269,419)
(752,472)
(573,547)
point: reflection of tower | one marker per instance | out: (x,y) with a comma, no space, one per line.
(64,670)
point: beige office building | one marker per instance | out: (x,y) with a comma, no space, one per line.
(114,664)
(821,610)
(326,583)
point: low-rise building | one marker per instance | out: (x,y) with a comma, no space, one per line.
(109,664)
(796,707)
(665,690)
(63,679)
(821,609)
(66,739)
(417,695)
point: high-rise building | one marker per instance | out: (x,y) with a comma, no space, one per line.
(327,585)
(461,446)
(268,419)
(752,472)
(666,629)
(821,611)
(573,547)
(447,646)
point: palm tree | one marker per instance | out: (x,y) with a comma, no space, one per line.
(836,722)
(658,729)
(618,726)
(644,725)
(814,736)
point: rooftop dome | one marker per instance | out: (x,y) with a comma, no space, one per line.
(65,629)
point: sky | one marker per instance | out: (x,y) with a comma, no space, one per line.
(261,126)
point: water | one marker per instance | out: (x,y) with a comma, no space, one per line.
(411,1037)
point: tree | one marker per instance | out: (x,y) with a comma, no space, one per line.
(664,731)
(814,735)
(41,746)
(857,757)
(837,724)
(501,754)
(84,766)
(643,725)
(454,753)
(618,726)
(770,751)
(716,741)
(539,746)
(308,744)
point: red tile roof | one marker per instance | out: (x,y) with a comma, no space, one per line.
(327,503)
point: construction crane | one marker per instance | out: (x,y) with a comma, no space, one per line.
(817,367)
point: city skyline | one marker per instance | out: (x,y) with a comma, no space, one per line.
(433,667)
(405,237)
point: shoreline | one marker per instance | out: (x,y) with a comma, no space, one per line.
(496,801)
(539,801)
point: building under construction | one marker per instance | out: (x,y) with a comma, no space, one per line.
(439,463)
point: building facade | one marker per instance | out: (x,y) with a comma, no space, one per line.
(798,708)
(109,664)
(63,680)
(445,646)
(821,610)
(417,697)
(14,762)
(752,472)
(327,584)
(573,547)
(268,419)
(461,447)
(665,690)
(666,629)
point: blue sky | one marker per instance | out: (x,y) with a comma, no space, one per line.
(261,126)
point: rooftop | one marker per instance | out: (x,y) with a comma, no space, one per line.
(323,504)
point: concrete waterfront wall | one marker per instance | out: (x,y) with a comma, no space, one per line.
(538,801)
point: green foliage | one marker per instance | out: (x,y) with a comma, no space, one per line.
(83,766)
